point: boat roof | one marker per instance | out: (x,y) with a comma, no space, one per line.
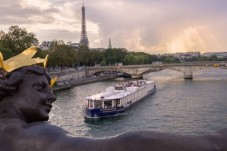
(108,95)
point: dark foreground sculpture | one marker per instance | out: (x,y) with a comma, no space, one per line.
(26,100)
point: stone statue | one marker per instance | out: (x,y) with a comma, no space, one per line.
(26,100)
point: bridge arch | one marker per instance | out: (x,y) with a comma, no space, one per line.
(98,72)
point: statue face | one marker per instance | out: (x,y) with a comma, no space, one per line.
(34,98)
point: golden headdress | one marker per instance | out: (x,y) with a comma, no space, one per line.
(23,59)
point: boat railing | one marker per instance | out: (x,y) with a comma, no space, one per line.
(135,84)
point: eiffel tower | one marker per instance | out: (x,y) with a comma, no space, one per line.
(84,40)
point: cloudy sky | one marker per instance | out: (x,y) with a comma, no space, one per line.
(152,26)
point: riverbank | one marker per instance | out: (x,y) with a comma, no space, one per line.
(71,83)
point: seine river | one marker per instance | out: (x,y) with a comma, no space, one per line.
(197,106)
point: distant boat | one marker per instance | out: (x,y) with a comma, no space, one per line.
(116,99)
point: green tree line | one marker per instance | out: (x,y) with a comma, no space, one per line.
(18,39)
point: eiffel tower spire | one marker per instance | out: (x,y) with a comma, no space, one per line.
(84,40)
(110,46)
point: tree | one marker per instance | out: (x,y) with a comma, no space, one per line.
(169,59)
(152,58)
(138,58)
(55,45)
(213,58)
(112,56)
(16,40)
(84,56)
(129,59)
(7,53)
(61,54)
(95,57)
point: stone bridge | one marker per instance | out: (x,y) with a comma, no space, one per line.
(137,71)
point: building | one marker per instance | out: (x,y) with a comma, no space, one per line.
(45,45)
(219,55)
(193,54)
(183,55)
(84,40)
(98,49)
(74,45)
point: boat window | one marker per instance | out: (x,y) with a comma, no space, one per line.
(98,104)
(108,104)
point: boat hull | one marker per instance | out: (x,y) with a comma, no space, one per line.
(97,113)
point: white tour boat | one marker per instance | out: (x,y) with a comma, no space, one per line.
(118,98)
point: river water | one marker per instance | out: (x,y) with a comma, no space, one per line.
(197,106)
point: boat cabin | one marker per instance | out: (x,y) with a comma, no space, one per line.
(103,104)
